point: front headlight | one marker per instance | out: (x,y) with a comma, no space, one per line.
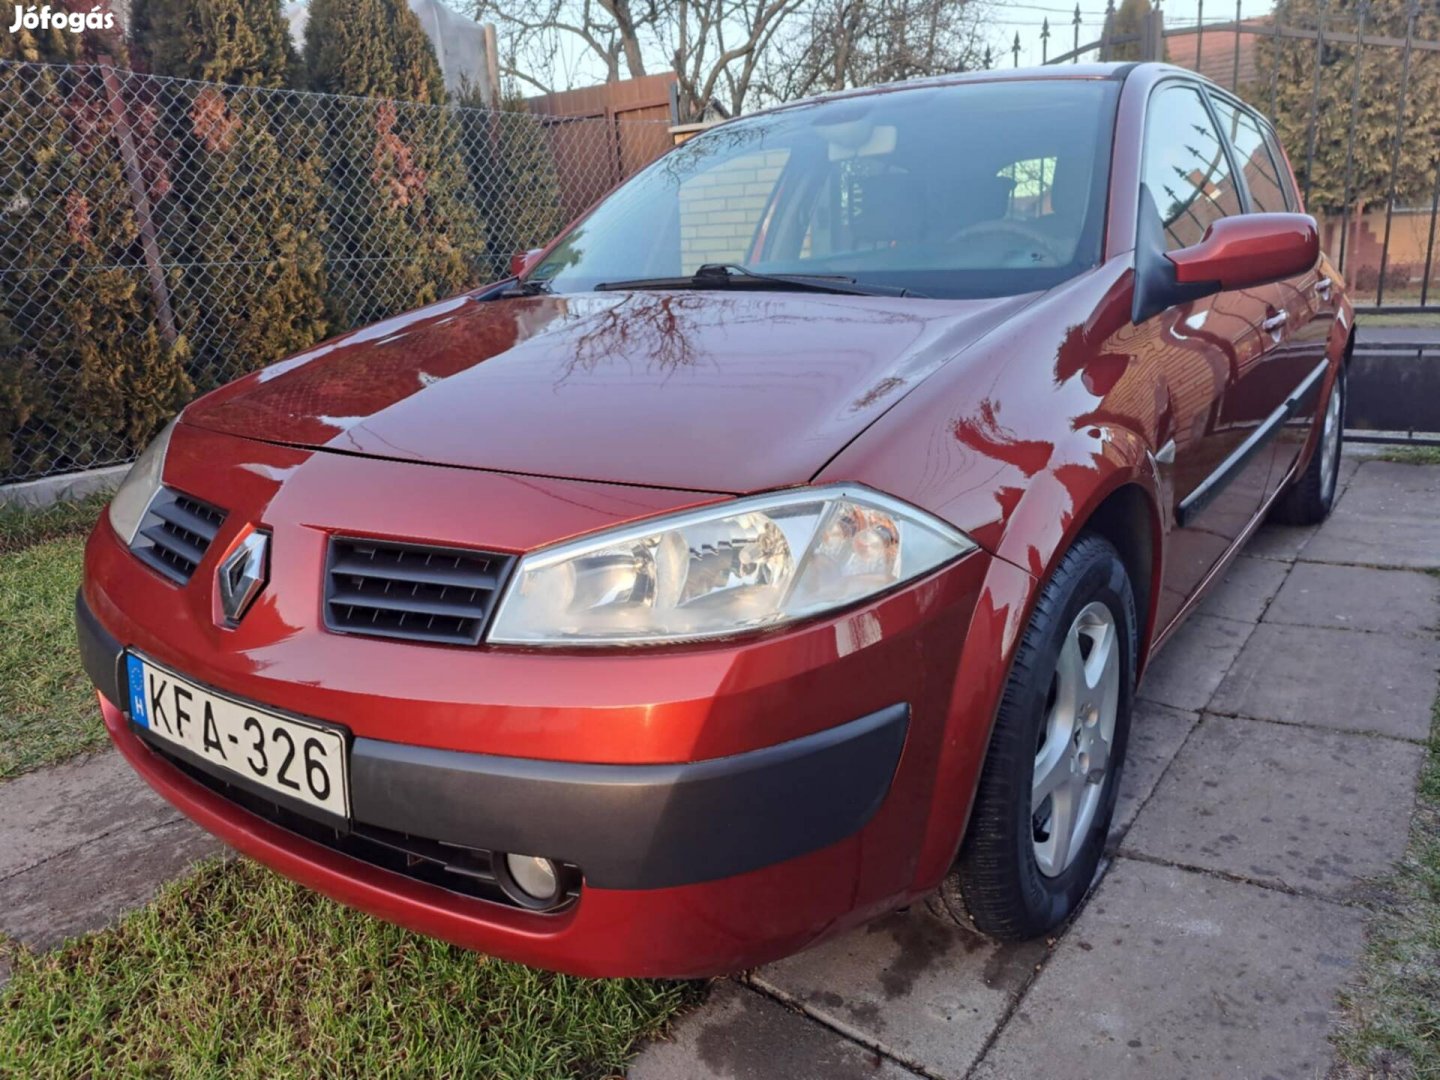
(722,569)
(127,508)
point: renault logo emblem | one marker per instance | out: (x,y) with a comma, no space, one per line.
(243,574)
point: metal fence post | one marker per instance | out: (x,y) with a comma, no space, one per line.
(1152,43)
(1430,242)
(1235,74)
(1199,31)
(139,200)
(1275,53)
(1361,14)
(1412,11)
(1315,101)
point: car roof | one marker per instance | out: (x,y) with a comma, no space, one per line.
(1118,71)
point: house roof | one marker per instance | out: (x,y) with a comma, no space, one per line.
(1217,56)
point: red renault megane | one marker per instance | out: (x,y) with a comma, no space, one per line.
(787,537)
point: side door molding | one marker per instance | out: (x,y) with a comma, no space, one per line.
(1204,492)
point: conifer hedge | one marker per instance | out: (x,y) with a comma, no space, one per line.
(84,364)
(1288,65)
(399,183)
(243,221)
(278,217)
(512,171)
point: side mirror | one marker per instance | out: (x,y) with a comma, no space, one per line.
(1237,252)
(524,260)
(1249,250)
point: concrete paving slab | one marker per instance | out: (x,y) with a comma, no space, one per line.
(88,886)
(1383,683)
(739,1034)
(1250,583)
(1156,735)
(1401,479)
(1318,811)
(1357,540)
(52,810)
(912,982)
(1188,670)
(1358,598)
(1175,974)
(1385,518)
(1280,542)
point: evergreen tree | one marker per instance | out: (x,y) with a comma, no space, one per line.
(85,374)
(1290,63)
(1131,20)
(238,42)
(512,170)
(246,212)
(404,227)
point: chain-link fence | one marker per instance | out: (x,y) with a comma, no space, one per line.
(159,237)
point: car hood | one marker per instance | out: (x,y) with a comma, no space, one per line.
(721,392)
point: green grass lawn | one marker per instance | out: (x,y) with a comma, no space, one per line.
(235,972)
(1408,319)
(21,527)
(1412,455)
(1390,1024)
(47,709)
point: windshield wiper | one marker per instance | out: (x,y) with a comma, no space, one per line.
(514,288)
(731,275)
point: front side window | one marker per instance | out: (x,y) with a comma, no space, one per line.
(983,189)
(1262,173)
(1185,166)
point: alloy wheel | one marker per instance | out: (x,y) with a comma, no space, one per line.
(1330,440)
(1072,757)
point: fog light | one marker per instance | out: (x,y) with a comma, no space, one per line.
(536,877)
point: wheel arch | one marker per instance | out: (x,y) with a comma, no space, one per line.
(1127,517)
(1119,496)
(1121,502)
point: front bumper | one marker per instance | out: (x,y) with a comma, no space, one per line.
(625,826)
(684,932)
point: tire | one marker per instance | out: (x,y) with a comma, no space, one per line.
(999,878)
(1311,495)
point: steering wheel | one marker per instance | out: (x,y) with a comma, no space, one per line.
(1032,237)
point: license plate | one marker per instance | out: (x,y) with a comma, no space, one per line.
(301,761)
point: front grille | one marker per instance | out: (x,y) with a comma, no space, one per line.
(464,870)
(413,592)
(175,533)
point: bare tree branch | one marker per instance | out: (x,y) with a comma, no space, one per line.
(767,50)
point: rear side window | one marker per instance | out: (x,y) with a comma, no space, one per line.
(1262,172)
(1185,166)
(1287,178)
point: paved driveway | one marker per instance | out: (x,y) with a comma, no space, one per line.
(1271,776)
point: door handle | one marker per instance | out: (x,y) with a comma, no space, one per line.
(1276,321)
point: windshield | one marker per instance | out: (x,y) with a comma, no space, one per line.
(971,190)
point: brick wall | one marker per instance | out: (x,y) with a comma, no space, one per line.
(720,208)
